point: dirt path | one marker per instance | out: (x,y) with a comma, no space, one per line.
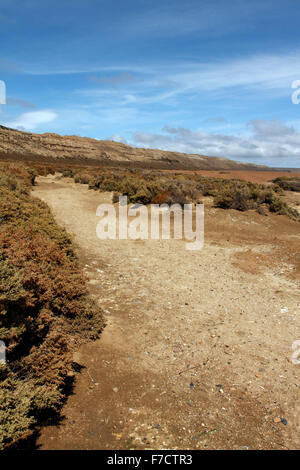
(197,348)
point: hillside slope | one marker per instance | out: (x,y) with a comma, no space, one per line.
(15,144)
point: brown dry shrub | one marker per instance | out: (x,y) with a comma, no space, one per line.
(45,309)
(161,198)
(288,183)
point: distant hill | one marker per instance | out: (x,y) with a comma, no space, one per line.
(19,145)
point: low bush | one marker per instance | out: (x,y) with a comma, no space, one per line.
(158,187)
(44,307)
(288,183)
(68,173)
(245,196)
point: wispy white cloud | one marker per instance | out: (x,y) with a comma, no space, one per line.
(269,76)
(265,72)
(32,120)
(258,71)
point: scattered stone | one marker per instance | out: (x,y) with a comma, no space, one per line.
(277,420)
(115,389)
(284,421)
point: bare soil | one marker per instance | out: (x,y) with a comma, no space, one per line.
(197,349)
(263,177)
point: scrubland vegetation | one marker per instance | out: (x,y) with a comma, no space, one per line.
(288,183)
(160,187)
(45,310)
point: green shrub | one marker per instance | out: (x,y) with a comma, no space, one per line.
(68,173)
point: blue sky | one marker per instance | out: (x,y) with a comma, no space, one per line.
(210,77)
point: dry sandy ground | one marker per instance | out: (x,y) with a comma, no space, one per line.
(197,349)
(254,176)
